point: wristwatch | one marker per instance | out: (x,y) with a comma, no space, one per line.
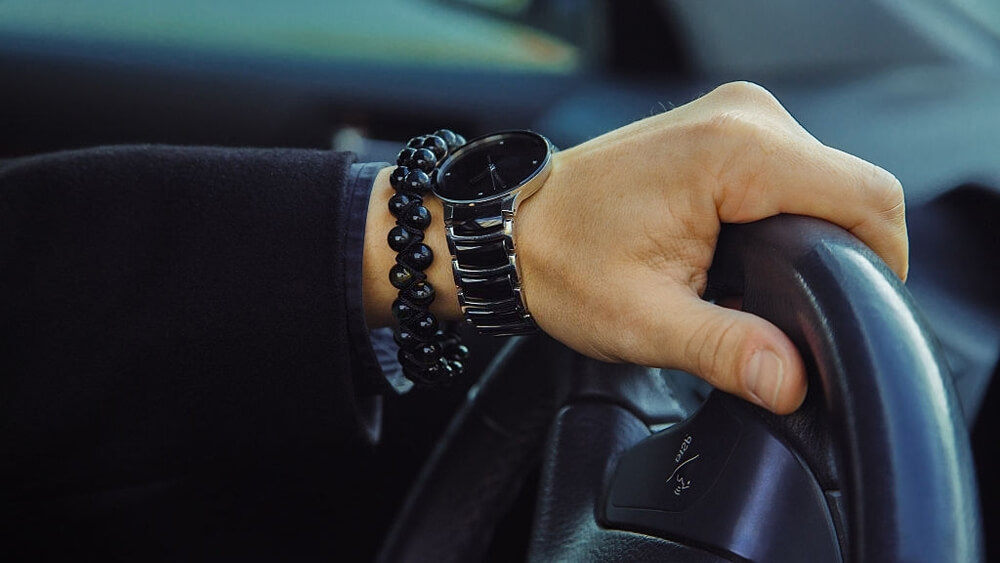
(481,185)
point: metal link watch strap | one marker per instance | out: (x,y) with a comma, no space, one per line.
(481,241)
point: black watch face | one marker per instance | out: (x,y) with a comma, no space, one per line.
(491,165)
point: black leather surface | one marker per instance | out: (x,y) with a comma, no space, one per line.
(480,464)
(721,480)
(586,440)
(909,485)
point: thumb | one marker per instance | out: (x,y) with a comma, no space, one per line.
(741,354)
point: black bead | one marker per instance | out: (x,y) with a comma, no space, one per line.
(417,182)
(397,203)
(403,311)
(447,371)
(417,218)
(424,325)
(457,352)
(400,276)
(423,159)
(420,293)
(417,142)
(459,140)
(399,238)
(436,144)
(432,375)
(404,337)
(419,257)
(405,157)
(427,353)
(407,360)
(422,360)
(448,136)
(397,177)
(426,376)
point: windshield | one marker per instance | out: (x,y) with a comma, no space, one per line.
(380,31)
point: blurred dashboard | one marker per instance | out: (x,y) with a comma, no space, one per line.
(264,73)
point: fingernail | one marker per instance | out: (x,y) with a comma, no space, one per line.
(763,375)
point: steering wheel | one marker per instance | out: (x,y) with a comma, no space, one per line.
(876,465)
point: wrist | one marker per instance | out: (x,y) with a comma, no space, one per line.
(439,274)
(537,254)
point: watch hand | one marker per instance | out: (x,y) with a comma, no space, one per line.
(478,177)
(495,176)
(493,173)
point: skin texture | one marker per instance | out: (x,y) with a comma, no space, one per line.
(615,248)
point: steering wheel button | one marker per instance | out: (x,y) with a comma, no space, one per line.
(674,468)
(722,480)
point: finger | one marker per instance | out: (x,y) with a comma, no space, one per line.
(819,181)
(734,351)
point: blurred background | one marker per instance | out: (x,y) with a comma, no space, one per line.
(905,83)
(912,85)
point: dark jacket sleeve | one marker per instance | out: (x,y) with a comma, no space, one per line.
(167,309)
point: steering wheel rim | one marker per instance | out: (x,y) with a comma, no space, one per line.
(909,480)
(888,397)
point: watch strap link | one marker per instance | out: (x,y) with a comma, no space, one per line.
(481,242)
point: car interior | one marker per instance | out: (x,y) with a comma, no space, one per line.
(539,453)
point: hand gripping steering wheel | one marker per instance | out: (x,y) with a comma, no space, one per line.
(875,466)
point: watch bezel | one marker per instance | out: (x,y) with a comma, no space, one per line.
(524,188)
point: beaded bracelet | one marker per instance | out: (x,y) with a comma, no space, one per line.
(430,354)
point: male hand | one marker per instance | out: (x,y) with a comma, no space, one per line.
(615,248)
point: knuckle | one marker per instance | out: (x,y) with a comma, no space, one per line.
(734,133)
(744,165)
(728,122)
(749,93)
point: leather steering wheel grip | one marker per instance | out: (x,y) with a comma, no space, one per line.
(881,432)
(905,459)
(910,485)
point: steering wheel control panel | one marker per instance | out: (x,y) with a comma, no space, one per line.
(721,481)
(691,462)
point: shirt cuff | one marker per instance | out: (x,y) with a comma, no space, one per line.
(378,370)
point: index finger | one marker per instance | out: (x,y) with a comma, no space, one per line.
(820,181)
